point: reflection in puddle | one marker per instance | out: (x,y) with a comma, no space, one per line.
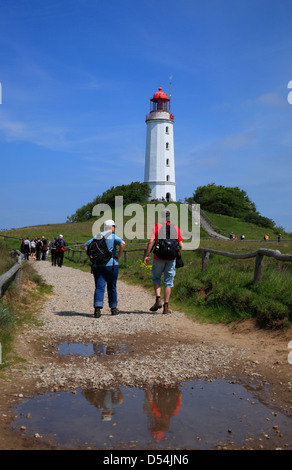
(105,400)
(90,349)
(194,415)
(160,404)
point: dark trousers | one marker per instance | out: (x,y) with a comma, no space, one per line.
(59,257)
(53,256)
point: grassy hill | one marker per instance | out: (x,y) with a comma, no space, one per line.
(251,231)
(82,231)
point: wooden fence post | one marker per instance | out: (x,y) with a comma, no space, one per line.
(259,266)
(13,272)
(205,260)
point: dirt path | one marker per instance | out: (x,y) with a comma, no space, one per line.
(162,348)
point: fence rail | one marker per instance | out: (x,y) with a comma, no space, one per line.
(12,272)
(71,251)
(258,255)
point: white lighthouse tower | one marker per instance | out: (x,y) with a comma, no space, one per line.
(159,157)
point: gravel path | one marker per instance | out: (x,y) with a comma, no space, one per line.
(157,348)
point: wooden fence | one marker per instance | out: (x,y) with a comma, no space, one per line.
(258,255)
(13,272)
(71,250)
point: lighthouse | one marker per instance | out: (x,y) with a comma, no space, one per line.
(159,155)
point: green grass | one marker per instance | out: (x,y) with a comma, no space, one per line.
(226,292)
(6,261)
(251,231)
(18,307)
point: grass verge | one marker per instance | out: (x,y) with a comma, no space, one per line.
(18,308)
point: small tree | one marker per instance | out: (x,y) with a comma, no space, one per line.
(133,192)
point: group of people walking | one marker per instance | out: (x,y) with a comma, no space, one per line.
(165,241)
(39,249)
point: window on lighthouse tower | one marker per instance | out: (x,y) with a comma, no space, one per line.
(167,146)
(167,178)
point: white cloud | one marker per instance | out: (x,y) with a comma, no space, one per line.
(236,141)
(271,99)
(13,130)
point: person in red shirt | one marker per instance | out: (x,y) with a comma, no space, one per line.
(60,250)
(161,404)
(161,265)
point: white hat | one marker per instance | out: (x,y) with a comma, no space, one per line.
(109,223)
(61,236)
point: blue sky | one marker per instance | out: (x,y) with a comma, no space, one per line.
(77,77)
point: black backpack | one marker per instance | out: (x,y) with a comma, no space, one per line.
(98,251)
(39,244)
(166,246)
(60,243)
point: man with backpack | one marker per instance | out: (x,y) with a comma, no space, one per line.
(26,248)
(60,250)
(102,251)
(166,239)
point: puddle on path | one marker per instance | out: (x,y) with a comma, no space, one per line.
(90,349)
(193,415)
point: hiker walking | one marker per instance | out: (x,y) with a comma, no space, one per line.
(53,248)
(26,248)
(38,247)
(32,248)
(44,248)
(60,250)
(167,238)
(102,250)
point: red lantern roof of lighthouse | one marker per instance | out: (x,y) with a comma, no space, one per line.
(160,95)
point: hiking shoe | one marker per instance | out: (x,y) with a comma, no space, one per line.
(156,306)
(97,312)
(115,311)
(166,309)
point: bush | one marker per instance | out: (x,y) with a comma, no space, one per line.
(134,192)
(232,202)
